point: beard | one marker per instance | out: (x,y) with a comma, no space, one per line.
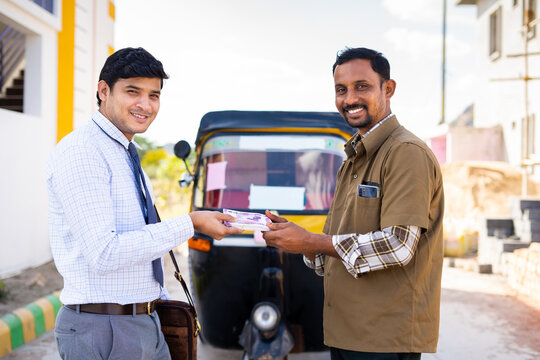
(366,122)
(360,124)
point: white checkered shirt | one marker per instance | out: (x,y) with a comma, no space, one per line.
(99,239)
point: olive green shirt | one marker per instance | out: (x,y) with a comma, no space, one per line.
(394,309)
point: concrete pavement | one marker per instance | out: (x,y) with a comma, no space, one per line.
(480,319)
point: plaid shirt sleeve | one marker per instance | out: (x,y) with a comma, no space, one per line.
(377,250)
(317,264)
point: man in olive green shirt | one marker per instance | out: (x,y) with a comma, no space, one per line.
(382,256)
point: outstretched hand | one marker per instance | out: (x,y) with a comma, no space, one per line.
(287,236)
(294,239)
(275,218)
(211,223)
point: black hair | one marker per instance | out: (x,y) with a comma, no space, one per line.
(379,63)
(130,62)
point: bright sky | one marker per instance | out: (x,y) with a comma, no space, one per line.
(277,55)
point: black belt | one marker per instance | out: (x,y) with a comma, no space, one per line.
(115,309)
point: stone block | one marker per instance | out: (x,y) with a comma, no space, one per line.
(486,248)
(518,204)
(500,227)
(529,237)
(531,214)
(485,268)
(511,245)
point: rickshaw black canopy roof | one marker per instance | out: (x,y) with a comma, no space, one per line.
(218,120)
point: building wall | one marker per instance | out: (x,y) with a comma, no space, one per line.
(475,144)
(439,148)
(503,102)
(84,45)
(28,137)
(26,141)
(103,40)
(94,31)
(466,143)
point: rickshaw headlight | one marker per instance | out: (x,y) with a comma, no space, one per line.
(266,316)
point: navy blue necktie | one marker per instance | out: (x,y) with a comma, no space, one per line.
(150,211)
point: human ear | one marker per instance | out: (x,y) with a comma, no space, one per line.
(103,90)
(389,88)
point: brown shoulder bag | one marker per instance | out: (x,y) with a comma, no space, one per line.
(179,322)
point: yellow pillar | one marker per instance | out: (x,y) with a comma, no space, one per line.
(66,70)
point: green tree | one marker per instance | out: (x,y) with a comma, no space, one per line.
(164,170)
(145,145)
(153,160)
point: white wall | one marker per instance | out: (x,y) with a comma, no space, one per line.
(475,144)
(503,102)
(94,31)
(103,40)
(27,139)
(84,25)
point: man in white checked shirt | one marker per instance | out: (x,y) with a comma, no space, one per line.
(100,239)
(382,254)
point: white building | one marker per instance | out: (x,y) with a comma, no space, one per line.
(60,45)
(508,41)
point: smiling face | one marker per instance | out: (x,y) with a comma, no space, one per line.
(360,97)
(131,105)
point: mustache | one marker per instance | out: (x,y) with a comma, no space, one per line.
(354,106)
(144,113)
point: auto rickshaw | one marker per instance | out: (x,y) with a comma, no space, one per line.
(250,296)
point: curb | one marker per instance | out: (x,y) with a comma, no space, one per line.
(25,324)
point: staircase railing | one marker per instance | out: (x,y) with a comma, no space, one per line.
(12,44)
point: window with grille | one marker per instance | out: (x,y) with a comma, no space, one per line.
(528,142)
(46,4)
(495,32)
(529,16)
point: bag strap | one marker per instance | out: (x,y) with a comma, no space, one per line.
(180,279)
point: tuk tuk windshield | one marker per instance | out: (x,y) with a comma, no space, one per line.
(274,171)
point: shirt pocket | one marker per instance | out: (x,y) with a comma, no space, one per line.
(366,214)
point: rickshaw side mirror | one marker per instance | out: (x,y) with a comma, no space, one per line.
(185,180)
(182,149)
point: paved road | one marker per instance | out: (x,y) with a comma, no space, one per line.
(480,319)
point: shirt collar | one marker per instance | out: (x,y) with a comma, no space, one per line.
(359,144)
(377,125)
(111,130)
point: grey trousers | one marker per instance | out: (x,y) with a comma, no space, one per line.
(81,336)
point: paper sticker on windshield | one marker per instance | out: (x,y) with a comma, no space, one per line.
(277,197)
(215,176)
